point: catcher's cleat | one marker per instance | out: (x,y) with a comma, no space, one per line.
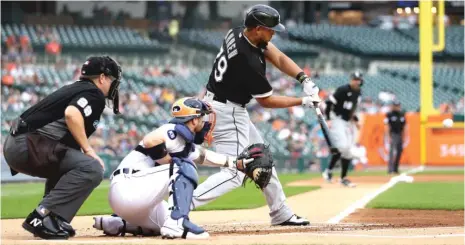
(327,175)
(45,227)
(111,226)
(347,183)
(295,220)
(182,228)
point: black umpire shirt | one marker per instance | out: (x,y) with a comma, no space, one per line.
(48,116)
(345,101)
(238,74)
(396,121)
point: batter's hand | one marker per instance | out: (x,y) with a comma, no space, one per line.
(310,87)
(311,101)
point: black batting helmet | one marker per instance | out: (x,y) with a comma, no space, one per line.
(263,15)
(357,75)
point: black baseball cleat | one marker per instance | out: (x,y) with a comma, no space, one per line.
(295,220)
(347,183)
(44,227)
(65,226)
(327,175)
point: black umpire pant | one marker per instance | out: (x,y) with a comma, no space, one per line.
(395,152)
(77,176)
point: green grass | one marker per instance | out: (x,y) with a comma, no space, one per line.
(431,195)
(441,172)
(18,199)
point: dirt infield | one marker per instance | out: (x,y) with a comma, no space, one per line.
(252,226)
(407,218)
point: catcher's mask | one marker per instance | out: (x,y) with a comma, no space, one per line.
(105,65)
(186,109)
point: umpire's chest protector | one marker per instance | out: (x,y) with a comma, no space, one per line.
(47,116)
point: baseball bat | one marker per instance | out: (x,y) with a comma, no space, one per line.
(325,129)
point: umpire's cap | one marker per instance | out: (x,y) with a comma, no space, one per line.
(396,103)
(263,15)
(97,65)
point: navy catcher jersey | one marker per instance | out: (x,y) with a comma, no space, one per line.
(345,101)
(238,74)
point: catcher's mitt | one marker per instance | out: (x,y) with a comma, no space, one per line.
(260,169)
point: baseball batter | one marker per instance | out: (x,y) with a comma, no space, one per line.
(237,76)
(340,108)
(164,164)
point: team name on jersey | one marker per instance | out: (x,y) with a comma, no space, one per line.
(230,41)
(221,61)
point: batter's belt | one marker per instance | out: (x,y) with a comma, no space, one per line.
(214,97)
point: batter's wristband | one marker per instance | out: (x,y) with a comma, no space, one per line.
(301,76)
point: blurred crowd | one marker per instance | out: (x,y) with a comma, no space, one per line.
(19,59)
(116,136)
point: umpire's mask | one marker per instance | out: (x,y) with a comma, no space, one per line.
(113,69)
(113,93)
(97,65)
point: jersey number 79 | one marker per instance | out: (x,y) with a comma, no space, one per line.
(221,65)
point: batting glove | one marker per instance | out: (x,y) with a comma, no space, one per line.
(310,87)
(311,101)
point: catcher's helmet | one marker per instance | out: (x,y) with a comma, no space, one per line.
(188,108)
(263,15)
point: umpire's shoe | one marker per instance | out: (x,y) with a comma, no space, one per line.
(64,225)
(45,227)
(295,220)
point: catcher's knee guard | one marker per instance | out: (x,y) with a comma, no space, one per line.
(182,188)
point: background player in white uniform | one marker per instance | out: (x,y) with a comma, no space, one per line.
(238,75)
(340,108)
(147,175)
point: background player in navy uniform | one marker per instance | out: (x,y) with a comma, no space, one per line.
(238,75)
(340,108)
(395,120)
(50,140)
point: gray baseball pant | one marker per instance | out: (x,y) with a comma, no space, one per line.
(344,135)
(395,152)
(233,132)
(79,175)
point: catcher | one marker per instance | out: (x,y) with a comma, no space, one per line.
(164,163)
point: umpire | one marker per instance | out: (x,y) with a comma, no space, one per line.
(50,140)
(395,120)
